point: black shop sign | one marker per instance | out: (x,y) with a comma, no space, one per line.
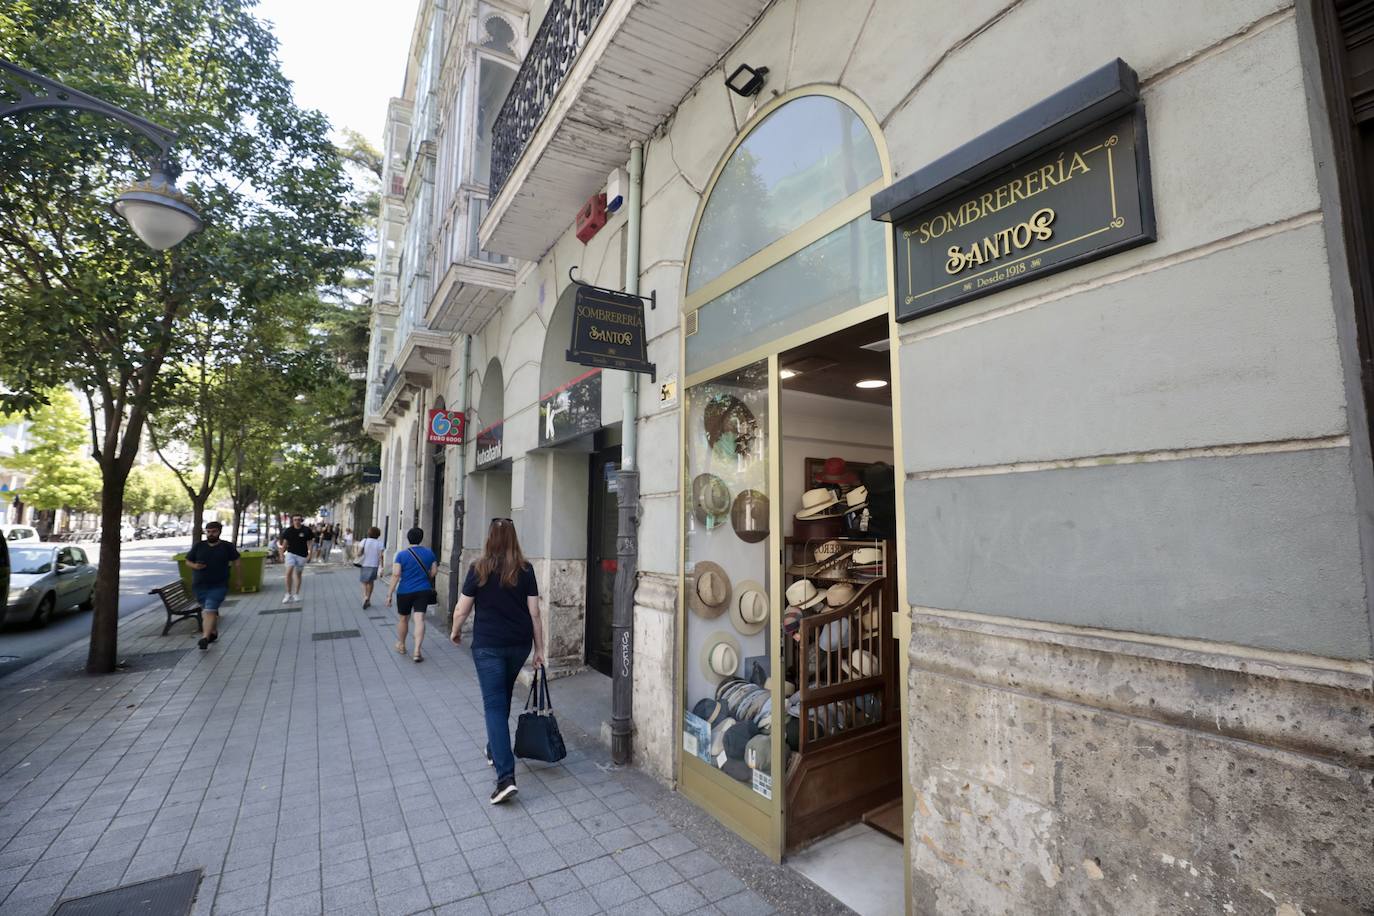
(608,331)
(1062,183)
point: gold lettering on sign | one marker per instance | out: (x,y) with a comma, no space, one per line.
(624,338)
(1048,176)
(1003,243)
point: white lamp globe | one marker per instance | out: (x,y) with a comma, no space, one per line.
(158,213)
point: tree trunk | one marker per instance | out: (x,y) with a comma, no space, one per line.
(105,621)
(197,517)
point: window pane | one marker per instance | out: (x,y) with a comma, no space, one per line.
(494,81)
(728,548)
(831,275)
(800,161)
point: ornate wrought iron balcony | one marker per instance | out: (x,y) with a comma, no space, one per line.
(560,37)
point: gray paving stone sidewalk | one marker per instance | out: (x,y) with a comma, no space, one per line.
(334,776)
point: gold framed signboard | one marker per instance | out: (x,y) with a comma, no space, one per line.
(1078,200)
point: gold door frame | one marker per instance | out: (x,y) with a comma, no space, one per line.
(764,825)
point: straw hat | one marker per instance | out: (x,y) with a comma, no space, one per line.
(839,594)
(861,663)
(720,656)
(708,590)
(802,594)
(749,516)
(817,502)
(749,610)
(857,498)
(867,556)
(828,553)
(710,499)
(871,621)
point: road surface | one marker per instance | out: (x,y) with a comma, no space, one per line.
(144,565)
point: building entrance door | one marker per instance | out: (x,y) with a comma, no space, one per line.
(602,561)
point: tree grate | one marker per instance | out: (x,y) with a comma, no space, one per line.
(280,610)
(138,663)
(335,634)
(173,895)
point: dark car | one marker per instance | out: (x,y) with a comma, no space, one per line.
(47,578)
(4,579)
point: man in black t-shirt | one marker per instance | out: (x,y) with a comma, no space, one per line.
(214,563)
(295,545)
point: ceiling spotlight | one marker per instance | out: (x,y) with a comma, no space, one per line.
(746,81)
(871,383)
(786,374)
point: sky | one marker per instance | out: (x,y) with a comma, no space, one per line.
(345,57)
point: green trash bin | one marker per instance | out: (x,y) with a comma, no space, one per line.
(183,570)
(251,563)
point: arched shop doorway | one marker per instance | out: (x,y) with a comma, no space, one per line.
(574,413)
(790,561)
(489,486)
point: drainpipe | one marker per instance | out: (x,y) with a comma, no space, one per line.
(455,553)
(627,535)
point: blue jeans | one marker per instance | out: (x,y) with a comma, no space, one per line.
(497,670)
(210,596)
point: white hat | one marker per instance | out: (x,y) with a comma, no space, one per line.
(839,594)
(803,594)
(709,593)
(857,497)
(866,556)
(720,656)
(749,612)
(817,502)
(834,635)
(861,663)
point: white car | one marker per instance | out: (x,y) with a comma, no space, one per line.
(20,534)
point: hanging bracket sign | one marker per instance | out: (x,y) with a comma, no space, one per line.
(447,427)
(608,331)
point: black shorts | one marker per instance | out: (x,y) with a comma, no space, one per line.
(412,602)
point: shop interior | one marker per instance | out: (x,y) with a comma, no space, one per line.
(840,779)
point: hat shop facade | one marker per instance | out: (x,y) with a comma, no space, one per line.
(1004,482)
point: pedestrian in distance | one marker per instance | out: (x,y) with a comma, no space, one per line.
(326,541)
(412,585)
(214,568)
(500,586)
(295,546)
(314,542)
(347,544)
(370,561)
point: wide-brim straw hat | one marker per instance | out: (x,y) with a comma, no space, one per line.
(839,594)
(720,656)
(749,516)
(708,589)
(817,502)
(861,663)
(710,500)
(749,610)
(866,556)
(828,554)
(803,594)
(857,498)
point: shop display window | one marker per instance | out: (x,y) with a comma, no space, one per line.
(728,717)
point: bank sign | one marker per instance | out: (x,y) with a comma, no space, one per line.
(608,331)
(490,442)
(1074,202)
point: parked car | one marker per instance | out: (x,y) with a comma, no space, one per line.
(4,578)
(144,532)
(46,579)
(168,529)
(20,534)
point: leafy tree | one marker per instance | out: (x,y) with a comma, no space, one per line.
(97,309)
(60,476)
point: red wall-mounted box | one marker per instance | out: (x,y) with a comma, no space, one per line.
(591,217)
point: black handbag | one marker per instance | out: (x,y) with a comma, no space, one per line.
(536,734)
(431,596)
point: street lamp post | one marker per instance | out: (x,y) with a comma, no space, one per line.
(158,213)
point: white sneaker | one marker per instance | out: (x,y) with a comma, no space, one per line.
(287,599)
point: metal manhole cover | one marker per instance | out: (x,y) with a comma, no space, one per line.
(335,634)
(280,610)
(173,895)
(375,617)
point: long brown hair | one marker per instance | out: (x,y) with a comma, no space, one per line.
(502,552)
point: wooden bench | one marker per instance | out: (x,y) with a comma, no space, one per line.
(179,604)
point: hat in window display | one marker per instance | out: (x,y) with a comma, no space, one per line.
(856,498)
(861,663)
(749,516)
(871,621)
(758,753)
(710,500)
(819,502)
(839,594)
(708,590)
(720,656)
(791,620)
(718,736)
(731,428)
(803,594)
(836,471)
(826,555)
(834,635)
(749,610)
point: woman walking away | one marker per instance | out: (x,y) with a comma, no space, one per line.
(502,587)
(326,542)
(412,579)
(370,554)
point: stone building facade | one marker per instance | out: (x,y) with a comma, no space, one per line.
(1133,552)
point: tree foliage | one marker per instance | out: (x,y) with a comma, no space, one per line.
(61,476)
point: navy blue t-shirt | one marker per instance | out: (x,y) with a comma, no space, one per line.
(216,558)
(414,576)
(502,618)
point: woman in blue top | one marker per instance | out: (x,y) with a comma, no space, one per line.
(502,587)
(412,578)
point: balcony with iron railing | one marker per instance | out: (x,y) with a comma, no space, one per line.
(598,75)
